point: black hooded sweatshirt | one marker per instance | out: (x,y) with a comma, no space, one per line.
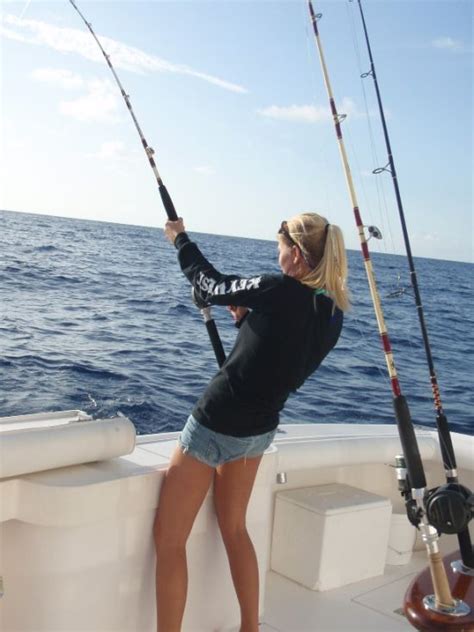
(281,341)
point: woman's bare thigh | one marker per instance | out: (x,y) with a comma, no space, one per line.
(184,488)
(233,484)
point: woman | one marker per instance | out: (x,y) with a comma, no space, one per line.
(287,324)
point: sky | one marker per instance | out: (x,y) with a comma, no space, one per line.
(231,97)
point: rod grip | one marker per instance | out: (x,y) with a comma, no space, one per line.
(168,203)
(446,444)
(215,341)
(409,443)
(439,578)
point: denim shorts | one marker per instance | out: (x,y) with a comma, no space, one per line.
(214,448)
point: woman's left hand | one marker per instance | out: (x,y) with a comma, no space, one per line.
(173,229)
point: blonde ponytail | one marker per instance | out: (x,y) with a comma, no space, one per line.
(322,245)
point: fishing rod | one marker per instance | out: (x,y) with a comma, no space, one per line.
(414,466)
(446,445)
(165,196)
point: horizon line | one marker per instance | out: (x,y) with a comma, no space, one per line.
(103,221)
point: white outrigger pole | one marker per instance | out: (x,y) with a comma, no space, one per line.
(416,489)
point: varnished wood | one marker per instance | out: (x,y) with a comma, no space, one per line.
(462,587)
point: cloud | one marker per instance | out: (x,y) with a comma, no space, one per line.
(100,103)
(65,78)
(80,42)
(205,170)
(111,150)
(430,237)
(311,113)
(450,44)
(302,113)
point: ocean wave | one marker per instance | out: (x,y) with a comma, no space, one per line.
(47,248)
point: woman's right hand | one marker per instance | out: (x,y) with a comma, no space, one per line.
(173,229)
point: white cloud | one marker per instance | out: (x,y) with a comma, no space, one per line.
(448,43)
(206,170)
(65,78)
(25,8)
(430,237)
(80,42)
(311,113)
(100,103)
(111,150)
(303,113)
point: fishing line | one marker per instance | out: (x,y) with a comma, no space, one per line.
(371,137)
(384,213)
(379,186)
(361,182)
(165,196)
(442,498)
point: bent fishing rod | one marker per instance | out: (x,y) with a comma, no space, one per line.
(165,196)
(443,599)
(445,495)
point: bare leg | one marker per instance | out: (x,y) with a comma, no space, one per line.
(182,493)
(233,483)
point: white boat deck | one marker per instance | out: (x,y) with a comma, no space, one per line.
(373,604)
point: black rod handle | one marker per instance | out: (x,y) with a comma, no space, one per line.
(466,549)
(445,441)
(168,203)
(211,327)
(215,341)
(409,443)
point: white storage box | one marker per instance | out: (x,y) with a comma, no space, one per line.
(330,535)
(401,540)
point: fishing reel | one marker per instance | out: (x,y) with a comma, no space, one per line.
(450,507)
(374,232)
(414,512)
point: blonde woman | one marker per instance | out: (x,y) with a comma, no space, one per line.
(287,324)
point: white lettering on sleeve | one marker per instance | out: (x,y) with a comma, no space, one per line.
(210,286)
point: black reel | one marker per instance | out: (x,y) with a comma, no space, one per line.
(414,512)
(449,508)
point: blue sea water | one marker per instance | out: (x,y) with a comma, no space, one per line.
(98,316)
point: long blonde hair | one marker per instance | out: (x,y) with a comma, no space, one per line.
(322,246)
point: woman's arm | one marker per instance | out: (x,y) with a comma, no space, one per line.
(215,288)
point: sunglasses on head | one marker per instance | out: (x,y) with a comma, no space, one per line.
(286,233)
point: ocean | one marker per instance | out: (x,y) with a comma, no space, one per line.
(99,317)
